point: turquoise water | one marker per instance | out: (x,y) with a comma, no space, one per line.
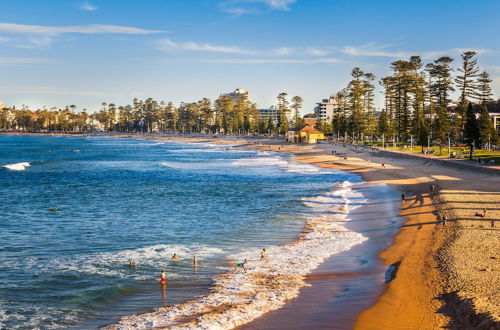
(72,220)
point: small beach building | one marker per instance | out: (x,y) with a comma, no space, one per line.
(304,134)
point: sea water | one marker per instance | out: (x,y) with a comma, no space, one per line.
(74,211)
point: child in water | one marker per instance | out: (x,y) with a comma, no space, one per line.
(263,254)
(163,279)
(175,257)
(242,265)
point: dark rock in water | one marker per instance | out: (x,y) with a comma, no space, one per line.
(390,273)
(53,209)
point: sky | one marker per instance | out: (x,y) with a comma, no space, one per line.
(57,53)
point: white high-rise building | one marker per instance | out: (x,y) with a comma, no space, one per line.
(265,114)
(324,109)
(238,94)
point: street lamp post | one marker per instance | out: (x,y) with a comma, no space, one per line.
(449,146)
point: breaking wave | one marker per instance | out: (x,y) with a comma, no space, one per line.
(17,166)
(239,297)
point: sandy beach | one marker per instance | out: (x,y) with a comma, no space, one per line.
(447,275)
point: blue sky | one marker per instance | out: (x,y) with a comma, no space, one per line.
(56,53)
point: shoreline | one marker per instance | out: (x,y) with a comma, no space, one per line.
(440,280)
(348,282)
(237,299)
(456,285)
(430,288)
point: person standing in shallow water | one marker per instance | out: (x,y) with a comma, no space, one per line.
(163,278)
(242,265)
(195,260)
(263,254)
(175,257)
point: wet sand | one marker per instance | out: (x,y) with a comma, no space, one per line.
(349,282)
(447,276)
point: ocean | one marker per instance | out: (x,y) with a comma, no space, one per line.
(75,211)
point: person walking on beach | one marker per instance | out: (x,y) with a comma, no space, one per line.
(443,220)
(242,265)
(163,278)
(481,215)
(263,254)
(175,257)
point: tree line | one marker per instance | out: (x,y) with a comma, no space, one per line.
(226,115)
(418,104)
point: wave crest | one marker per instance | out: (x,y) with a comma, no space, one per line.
(17,166)
(239,297)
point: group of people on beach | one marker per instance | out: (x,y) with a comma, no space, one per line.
(443,218)
(175,258)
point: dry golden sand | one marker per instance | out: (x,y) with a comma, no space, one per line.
(447,276)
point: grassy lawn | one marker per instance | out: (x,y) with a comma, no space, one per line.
(479,154)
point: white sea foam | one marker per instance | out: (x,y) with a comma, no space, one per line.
(114,264)
(212,149)
(34,315)
(17,166)
(281,163)
(238,298)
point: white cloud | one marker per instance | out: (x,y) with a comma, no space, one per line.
(276,4)
(37,42)
(282,51)
(318,52)
(374,49)
(4,39)
(83,29)
(168,45)
(87,6)
(463,50)
(241,7)
(8,61)
(329,60)
(269,61)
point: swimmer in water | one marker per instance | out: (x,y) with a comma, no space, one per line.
(175,257)
(132,264)
(242,265)
(163,279)
(263,254)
